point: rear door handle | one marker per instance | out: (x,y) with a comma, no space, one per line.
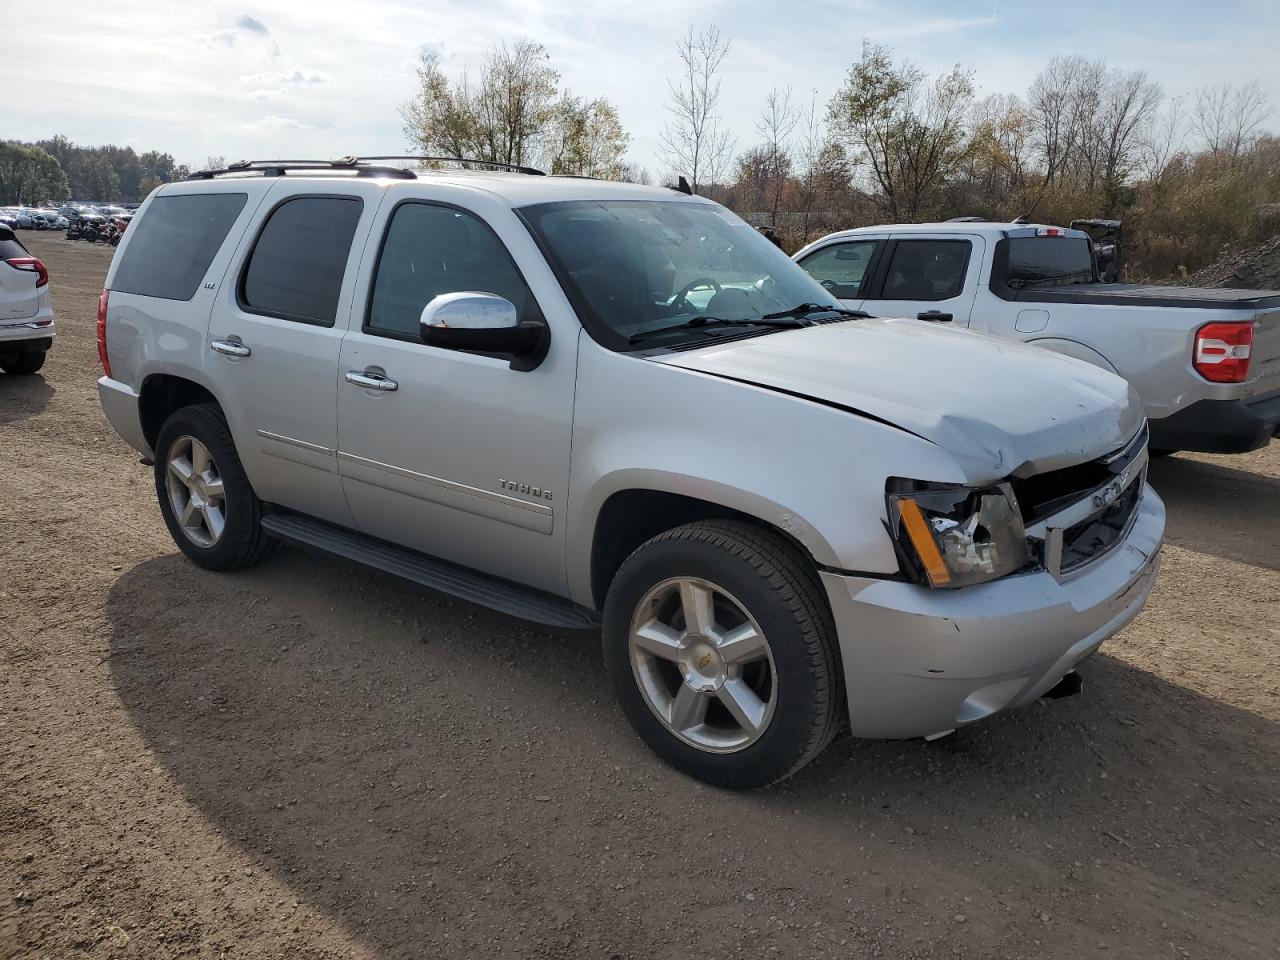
(937,316)
(371,381)
(230,348)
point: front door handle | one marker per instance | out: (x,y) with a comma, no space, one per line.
(937,316)
(230,348)
(371,381)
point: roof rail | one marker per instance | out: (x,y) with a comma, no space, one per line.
(513,167)
(277,168)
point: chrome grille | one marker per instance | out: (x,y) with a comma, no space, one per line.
(1078,515)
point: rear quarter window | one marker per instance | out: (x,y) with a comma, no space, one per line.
(171,246)
(9,245)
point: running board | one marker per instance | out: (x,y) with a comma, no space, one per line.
(439,575)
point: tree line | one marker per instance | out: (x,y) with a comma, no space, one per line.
(56,170)
(1191,177)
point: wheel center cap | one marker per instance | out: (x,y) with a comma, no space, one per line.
(701,664)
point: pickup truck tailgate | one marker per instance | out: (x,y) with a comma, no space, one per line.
(1265,367)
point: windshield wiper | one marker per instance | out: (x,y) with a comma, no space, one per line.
(804,309)
(701,323)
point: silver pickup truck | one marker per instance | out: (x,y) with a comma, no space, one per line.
(1206,363)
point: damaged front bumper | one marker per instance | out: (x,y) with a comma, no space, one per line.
(921,662)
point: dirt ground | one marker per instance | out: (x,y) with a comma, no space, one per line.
(311,760)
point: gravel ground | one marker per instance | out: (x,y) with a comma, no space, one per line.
(311,760)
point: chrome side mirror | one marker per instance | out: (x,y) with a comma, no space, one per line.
(469,311)
(485,323)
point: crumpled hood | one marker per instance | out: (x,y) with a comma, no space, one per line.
(999,407)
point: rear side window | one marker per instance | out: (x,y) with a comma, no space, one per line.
(841,267)
(9,245)
(927,270)
(295,270)
(171,246)
(1049,261)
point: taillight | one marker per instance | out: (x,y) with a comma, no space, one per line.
(102,330)
(31,265)
(1222,351)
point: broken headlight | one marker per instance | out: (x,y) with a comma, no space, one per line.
(957,536)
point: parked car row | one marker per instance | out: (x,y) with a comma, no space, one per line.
(32,218)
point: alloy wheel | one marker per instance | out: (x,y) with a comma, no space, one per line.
(195,491)
(703,665)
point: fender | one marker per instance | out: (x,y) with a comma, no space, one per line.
(586,516)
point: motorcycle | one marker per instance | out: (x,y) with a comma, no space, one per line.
(115,230)
(93,230)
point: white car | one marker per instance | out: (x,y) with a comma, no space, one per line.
(26,313)
(604,405)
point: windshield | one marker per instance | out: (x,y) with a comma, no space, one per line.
(1049,261)
(634,266)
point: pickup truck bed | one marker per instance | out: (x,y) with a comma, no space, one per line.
(1152,295)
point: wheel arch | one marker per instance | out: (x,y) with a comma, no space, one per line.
(1073,348)
(630,513)
(163,393)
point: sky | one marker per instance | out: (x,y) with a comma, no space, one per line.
(247,79)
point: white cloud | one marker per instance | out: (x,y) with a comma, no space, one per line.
(277,77)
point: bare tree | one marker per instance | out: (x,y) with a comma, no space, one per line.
(1064,101)
(514,114)
(501,119)
(585,139)
(1164,137)
(1228,117)
(910,134)
(631,172)
(694,143)
(813,137)
(1129,105)
(776,124)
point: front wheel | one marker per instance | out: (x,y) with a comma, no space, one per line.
(23,363)
(210,508)
(722,653)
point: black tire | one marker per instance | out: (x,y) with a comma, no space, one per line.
(779,588)
(243,542)
(22,362)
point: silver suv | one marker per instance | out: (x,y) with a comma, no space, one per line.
(599,405)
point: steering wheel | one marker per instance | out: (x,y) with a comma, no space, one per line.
(681,298)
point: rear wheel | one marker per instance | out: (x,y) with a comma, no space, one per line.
(722,653)
(22,362)
(210,508)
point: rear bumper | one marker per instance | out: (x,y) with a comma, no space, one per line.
(919,662)
(24,336)
(1219,426)
(120,404)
